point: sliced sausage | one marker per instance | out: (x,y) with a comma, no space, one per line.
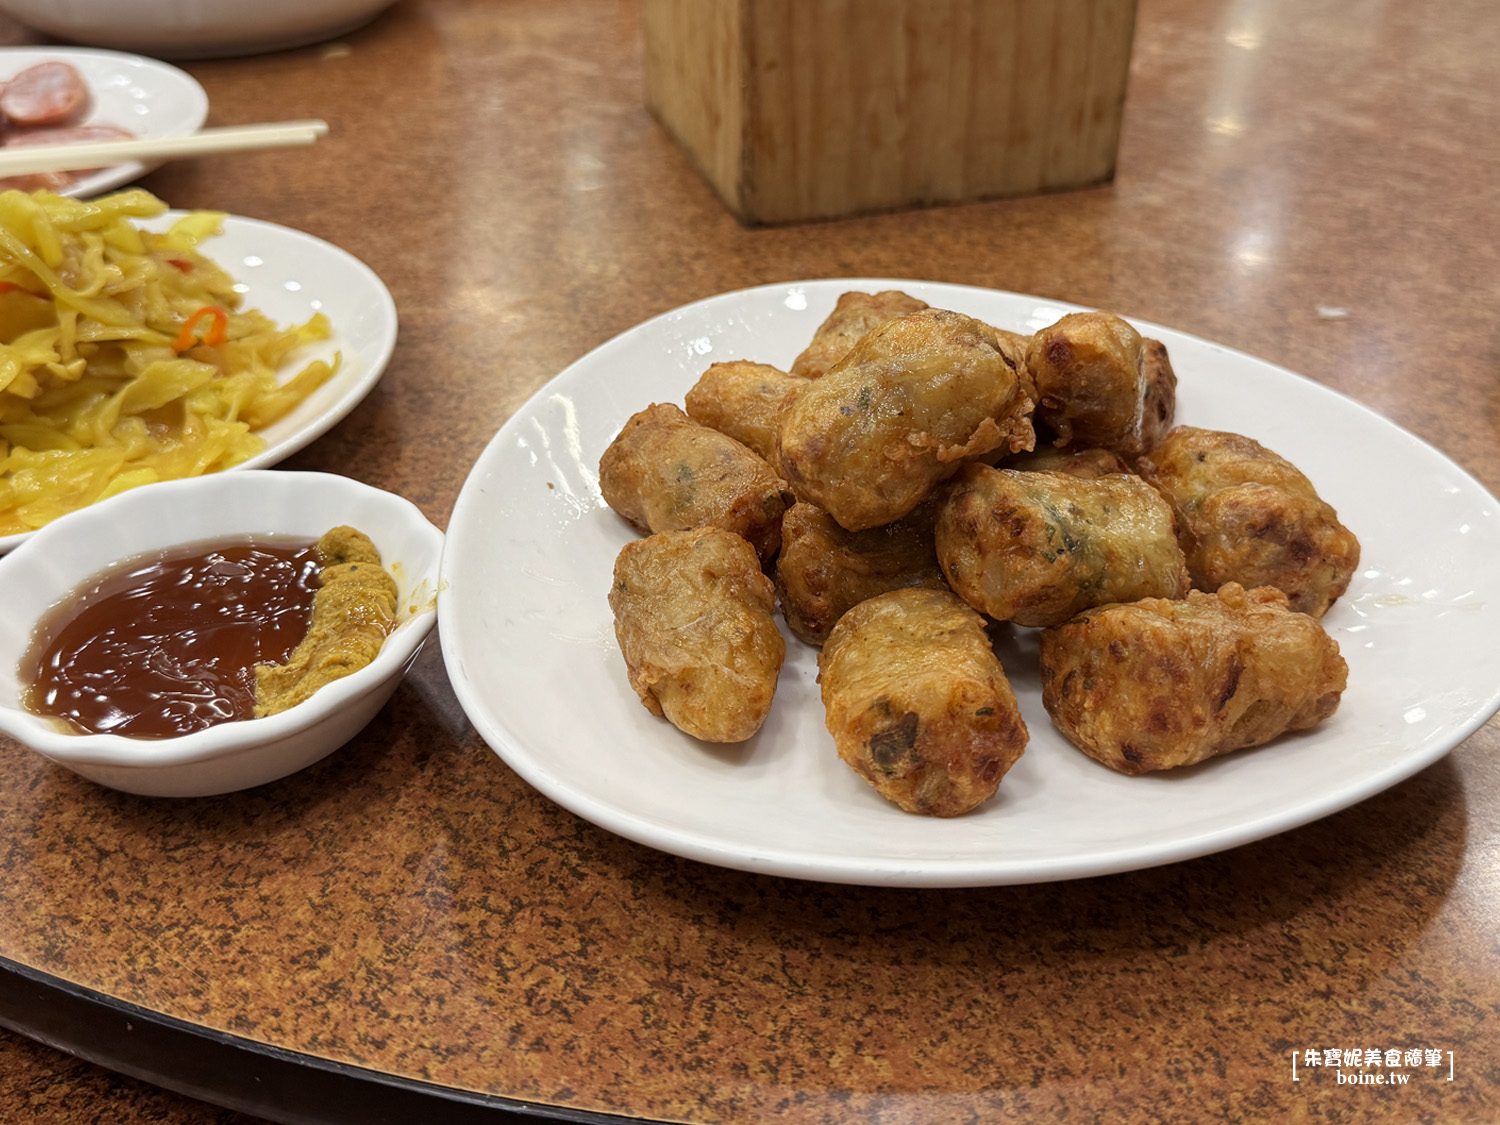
(58,135)
(67,134)
(49,93)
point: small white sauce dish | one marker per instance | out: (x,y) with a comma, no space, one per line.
(50,565)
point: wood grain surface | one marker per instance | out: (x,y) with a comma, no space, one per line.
(807,109)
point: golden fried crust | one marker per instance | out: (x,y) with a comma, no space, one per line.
(1160,406)
(695,619)
(900,413)
(823,570)
(1161,684)
(665,472)
(1091,381)
(854,316)
(1246,515)
(1037,547)
(744,400)
(1088,464)
(917,702)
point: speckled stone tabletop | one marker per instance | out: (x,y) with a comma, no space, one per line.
(410,906)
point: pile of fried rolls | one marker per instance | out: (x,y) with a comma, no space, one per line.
(917,479)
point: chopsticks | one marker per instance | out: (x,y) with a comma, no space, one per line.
(27,159)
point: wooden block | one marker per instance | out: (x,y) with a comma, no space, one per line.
(807,109)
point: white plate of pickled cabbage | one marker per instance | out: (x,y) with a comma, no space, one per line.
(529,643)
(142,345)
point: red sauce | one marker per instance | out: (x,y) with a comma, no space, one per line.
(167,644)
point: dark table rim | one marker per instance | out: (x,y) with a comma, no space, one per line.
(239,1073)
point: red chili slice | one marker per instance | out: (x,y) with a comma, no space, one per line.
(215,336)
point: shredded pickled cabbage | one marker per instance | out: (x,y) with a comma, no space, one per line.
(95,395)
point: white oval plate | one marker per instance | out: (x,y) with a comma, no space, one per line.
(150,98)
(290,275)
(529,644)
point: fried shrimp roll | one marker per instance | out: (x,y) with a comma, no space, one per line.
(917,702)
(854,316)
(1037,547)
(900,413)
(1160,407)
(665,472)
(823,570)
(1161,684)
(1091,382)
(746,401)
(1247,515)
(1090,464)
(694,617)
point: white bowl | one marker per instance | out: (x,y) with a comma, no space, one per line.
(60,557)
(177,29)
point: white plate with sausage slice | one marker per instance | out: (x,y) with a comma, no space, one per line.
(90,96)
(529,643)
